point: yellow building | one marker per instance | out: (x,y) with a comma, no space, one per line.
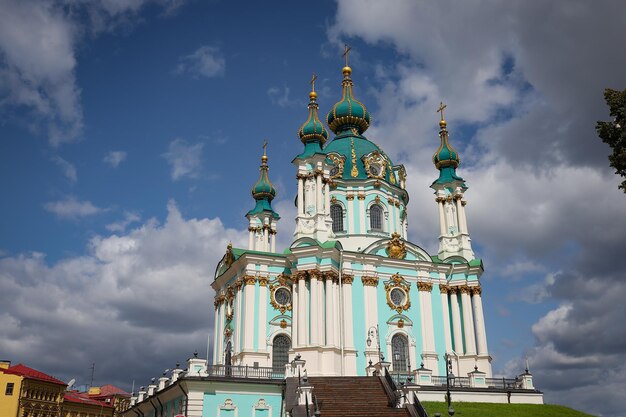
(26,392)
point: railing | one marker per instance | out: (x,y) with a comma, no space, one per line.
(462,382)
(503,383)
(417,406)
(400,378)
(250,372)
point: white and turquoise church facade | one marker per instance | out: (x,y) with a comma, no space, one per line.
(350,296)
(351,282)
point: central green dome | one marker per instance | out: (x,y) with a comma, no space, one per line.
(353,150)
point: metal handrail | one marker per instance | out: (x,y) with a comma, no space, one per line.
(246,372)
(419,408)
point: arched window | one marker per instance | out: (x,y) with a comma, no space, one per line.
(280,353)
(336,214)
(376,217)
(400,353)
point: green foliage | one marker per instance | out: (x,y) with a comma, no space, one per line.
(614,133)
(463,409)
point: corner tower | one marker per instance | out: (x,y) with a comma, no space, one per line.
(454,238)
(262,219)
(313,201)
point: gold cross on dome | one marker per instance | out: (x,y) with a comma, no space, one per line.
(440,109)
(345,54)
(264,146)
(312,82)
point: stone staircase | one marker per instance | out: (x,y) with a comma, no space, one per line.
(362,396)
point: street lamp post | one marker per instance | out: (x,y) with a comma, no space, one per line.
(371,333)
(449,375)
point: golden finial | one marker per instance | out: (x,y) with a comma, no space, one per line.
(313,94)
(264,157)
(442,122)
(346,70)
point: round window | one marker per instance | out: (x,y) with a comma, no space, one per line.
(397,296)
(282,296)
(334,171)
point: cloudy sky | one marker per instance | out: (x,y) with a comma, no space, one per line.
(131,131)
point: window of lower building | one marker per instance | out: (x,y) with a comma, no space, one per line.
(400,353)
(280,353)
(9,389)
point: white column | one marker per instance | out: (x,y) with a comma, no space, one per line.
(249,319)
(314,310)
(318,189)
(250,237)
(336,324)
(347,312)
(350,213)
(362,212)
(456,321)
(265,246)
(461,215)
(446,317)
(330,314)
(479,321)
(238,331)
(273,237)
(426,312)
(442,218)
(468,322)
(321,311)
(262,322)
(327,199)
(218,334)
(300,196)
(302,307)
(294,311)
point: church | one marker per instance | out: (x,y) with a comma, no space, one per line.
(352,297)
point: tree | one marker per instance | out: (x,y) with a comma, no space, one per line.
(614,133)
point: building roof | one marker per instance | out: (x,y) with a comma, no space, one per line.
(31,373)
(108,390)
(83,398)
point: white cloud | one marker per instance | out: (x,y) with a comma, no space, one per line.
(72,208)
(541,195)
(184,158)
(280,97)
(38,43)
(114,158)
(121,225)
(207,61)
(69,170)
(140,288)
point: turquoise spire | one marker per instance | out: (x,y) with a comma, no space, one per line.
(446,159)
(348,113)
(313,129)
(263,191)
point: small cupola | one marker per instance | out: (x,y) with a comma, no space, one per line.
(313,129)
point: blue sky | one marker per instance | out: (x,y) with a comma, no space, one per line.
(131,132)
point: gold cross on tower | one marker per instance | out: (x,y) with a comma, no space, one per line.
(440,109)
(345,54)
(313,78)
(264,146)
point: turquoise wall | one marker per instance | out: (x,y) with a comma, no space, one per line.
(244,401)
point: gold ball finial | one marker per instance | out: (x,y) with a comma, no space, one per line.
(442,123)
(312,95)
(346,70)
